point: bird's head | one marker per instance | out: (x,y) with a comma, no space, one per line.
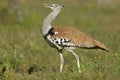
(54,7)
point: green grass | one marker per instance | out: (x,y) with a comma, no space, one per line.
(26,56)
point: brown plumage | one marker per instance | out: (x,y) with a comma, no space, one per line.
(77,38)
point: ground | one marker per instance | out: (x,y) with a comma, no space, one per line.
(26,56)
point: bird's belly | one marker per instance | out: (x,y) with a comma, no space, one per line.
(50,43)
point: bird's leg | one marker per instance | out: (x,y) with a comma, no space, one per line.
(77,59)
(61,61)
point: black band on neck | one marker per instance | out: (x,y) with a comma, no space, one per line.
(50,32)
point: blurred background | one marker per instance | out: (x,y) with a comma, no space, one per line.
(26,13)
(25,55)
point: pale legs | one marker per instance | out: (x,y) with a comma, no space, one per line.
(77,59)
(61,61)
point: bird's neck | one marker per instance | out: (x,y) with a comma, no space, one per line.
(47,22)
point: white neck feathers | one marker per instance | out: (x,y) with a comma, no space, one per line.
(47,21)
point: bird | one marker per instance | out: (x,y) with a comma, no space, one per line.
(67,38)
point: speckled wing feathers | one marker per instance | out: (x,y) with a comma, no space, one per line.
(74,36)
(68,36)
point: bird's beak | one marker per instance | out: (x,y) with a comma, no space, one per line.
(47,5)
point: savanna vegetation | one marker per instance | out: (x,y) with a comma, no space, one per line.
(24,55)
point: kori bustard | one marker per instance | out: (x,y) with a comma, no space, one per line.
(66,37)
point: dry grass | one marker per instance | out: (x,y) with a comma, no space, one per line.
(26,56)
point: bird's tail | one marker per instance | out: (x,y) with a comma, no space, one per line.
(101,46)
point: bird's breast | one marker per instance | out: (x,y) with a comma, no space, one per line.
(49,42)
